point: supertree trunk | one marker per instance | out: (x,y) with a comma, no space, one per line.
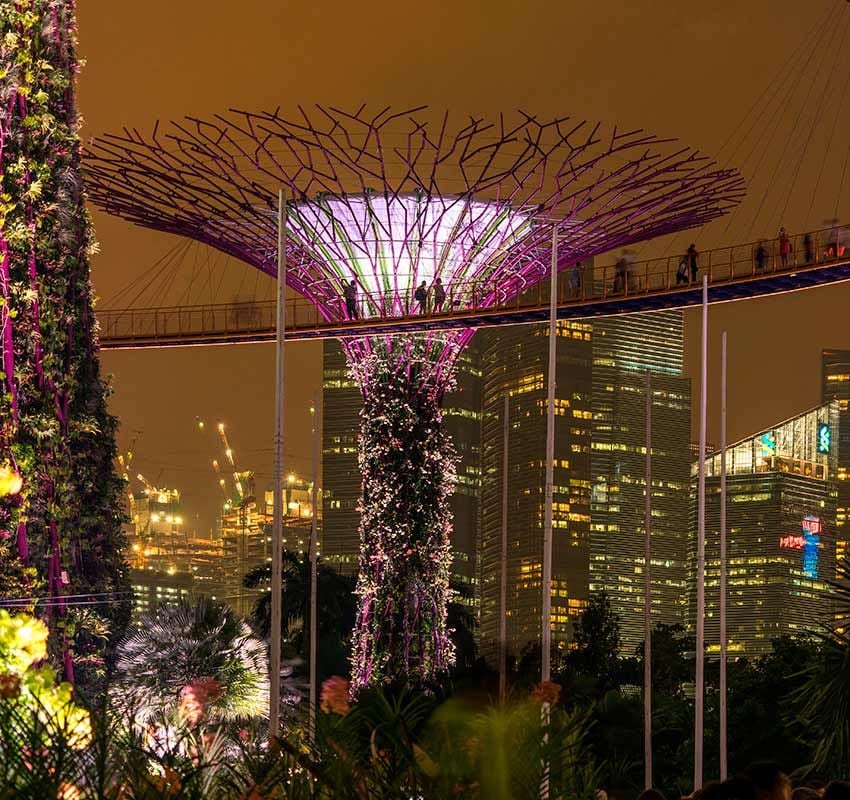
(55,432)
(407,464)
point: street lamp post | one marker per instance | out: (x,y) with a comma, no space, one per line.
(277,523)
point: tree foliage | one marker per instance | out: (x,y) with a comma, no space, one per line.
(179,651)
(825,693)
(335,618)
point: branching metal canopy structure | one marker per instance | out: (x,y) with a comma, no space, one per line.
(391,201)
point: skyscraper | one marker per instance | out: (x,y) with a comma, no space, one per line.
(625,350)
(599,452)
(341,474)
(513,363)
(835,368)
(781,495)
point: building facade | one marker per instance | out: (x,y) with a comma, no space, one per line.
(341,403)
(835,370)
(781,533)
(626,350)
(513,364)
(598,477)
(246,537)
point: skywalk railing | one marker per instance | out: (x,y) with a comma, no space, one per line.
(469,304)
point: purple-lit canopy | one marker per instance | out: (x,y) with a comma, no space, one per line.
(390,199)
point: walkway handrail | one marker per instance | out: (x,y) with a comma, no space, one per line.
(576,285)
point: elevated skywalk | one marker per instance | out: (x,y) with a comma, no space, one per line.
(739,272)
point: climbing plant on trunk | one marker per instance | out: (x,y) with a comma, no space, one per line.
(64,512)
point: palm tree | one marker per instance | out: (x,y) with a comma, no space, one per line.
(825,695)
(176,648)
(336,610)
(462,623)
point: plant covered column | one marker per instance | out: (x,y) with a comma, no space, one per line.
(407,464)
(63,508)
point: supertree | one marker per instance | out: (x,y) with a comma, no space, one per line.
(59,496)
(388,201)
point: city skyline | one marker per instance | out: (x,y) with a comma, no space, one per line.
(212,382)
(450,400)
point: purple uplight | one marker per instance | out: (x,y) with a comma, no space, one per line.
(389,245)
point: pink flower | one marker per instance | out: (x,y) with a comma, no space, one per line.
(196,697)
(335,692)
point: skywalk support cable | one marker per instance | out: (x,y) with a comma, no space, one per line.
(838,109)
(790,95)
(817,115)
(765,102)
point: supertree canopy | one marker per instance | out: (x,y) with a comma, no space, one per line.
(59,497)
(388,201)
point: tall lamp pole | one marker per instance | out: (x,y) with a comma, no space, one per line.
(647,597)
(277,520)
(314,571)
(724,764)
(699,706)
(503,577)
(546,629)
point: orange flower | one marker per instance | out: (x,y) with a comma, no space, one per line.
(546,692)
(335,696)
(169,782)
(67,791)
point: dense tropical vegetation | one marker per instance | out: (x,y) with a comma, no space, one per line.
(184,719)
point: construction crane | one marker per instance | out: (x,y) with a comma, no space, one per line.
(221,482)
(150,489)
(228,453)
(240,502)
(238,499)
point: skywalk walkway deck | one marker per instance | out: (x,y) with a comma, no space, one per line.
(740,272)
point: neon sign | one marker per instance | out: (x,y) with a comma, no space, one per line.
(768,443)
(793,542)
(808,543)
(824,438)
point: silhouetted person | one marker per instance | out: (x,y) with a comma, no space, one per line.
(761,257)
(574,277)
(421,297)
(769,782)
(651,794)
(439,295)
(738,789)
(349,292)
(693,262)
(833,249)
(620,275)
(784,247)
(631,277)
(837,790)
(682,272)
(808,248)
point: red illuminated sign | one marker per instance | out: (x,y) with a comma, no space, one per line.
(793,542)
(812,525)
